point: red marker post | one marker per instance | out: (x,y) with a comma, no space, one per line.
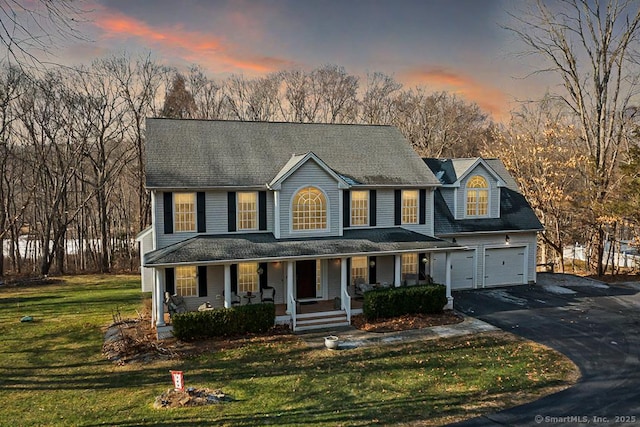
(178,380)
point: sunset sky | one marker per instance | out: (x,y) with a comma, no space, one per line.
(454,45)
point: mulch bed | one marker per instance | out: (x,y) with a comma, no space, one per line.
(406,322)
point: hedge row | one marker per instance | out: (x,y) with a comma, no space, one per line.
(392,302)
(224,322)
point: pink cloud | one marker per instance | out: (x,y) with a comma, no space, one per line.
(195,46)
(490,99)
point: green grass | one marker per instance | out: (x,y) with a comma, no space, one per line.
(52,371)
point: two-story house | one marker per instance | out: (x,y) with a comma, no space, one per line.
(305,214)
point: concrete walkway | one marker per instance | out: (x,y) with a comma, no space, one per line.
(351,337)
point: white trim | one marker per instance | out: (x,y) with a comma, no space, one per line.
(340,210)
(480,161)
(276,214)
(277,184)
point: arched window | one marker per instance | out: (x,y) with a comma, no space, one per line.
(477,196)
(309,209)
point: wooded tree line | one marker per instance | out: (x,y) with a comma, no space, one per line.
(72,139)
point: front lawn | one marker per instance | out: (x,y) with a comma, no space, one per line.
(52,371)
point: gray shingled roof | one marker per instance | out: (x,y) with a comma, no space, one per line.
(515,214)
(264,246)
(209,153)
(448,171)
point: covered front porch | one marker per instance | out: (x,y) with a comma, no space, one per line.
(314,283)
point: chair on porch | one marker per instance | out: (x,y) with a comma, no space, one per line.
(268,294)
(175,304)
(359,287)
(235,298)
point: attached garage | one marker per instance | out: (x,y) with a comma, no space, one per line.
(462,269)
(504,266)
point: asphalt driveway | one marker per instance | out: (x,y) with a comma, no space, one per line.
(594,324)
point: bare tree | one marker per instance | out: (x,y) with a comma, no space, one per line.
(179,103)
(28,29)
(592,47)
(376,106)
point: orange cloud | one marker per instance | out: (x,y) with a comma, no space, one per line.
(490,99)
(194,46)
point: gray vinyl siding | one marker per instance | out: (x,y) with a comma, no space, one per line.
(384,269)
(215,289)
(494,194)
(312,174)
(333,279)
(384,208)
(168,239)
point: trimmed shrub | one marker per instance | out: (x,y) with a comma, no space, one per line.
(224,322)
(393,302)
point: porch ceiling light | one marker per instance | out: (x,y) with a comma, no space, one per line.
(372,263)
(259,270)
(425,260)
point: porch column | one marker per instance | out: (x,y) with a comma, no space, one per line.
(289,295)
(154,311)
(227,285)
(397,271)
(447,280)
(344,274)
(159,297)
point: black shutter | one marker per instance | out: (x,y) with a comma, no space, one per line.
(372,270)
(264,282)
(397,208)
(170,280)
(202,280)
(168,213)
(262,210)
(422,267)
(201,212)
(372,208)
(348,271)
(423,206)
(231,211)
(234,278)
(346,209)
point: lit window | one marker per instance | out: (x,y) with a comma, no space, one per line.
(186,281)
(359,208)
(410,268)
(247,277)
(309,210)
(477,196)
(247,211)
(409,206)
(184,211)
(318,277)
(359,270)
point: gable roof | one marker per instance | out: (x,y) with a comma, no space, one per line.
(451,171)
(212,153)
(298,160)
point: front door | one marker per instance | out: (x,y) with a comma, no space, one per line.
(306,279)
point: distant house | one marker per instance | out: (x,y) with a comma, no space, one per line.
(310,216)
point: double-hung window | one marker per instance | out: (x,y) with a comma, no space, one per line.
(248,277)
(359,208)
(410,268)
(247,210)
(409,206)
(184,212)
(187,281)
(359,270)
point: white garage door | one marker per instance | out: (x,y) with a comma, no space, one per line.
(504,266)
(462,269)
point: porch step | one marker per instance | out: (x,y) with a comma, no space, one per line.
(331,319)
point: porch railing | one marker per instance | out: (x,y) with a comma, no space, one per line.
(346,304)
(292,300)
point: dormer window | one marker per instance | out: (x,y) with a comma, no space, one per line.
(309,210)
(477,196)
